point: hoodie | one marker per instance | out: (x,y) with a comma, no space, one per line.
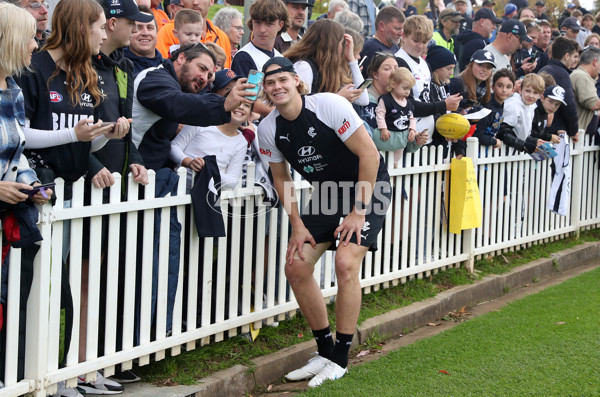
(116,82)
(141,63)
(466,43)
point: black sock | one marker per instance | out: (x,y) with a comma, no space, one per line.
(341,349)
(324,342)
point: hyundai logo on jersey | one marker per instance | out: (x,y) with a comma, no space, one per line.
(305,151)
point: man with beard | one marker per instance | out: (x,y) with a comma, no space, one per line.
(469,41)
(298,11)
(389,28)
(167,95)
(449,22)
(39,10)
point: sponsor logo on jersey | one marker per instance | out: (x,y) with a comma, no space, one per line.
(344,127)
(265,152)
(306,151)
(287,137)
(86,97)
(311,132)
(308,169)
(55,97)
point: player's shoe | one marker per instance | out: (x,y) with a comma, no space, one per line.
(331,371)
(312,367)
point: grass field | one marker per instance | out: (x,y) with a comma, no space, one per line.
(546,344)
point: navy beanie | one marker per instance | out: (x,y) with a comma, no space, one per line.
(438,57)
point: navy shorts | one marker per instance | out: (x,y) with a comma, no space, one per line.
(321,218)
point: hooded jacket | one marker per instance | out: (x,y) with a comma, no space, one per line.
(565,117)
(467,43)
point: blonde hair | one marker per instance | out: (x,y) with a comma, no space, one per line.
(398,76)
(216,50)
(420,27)
(534,81)
(17,27)
(303,89)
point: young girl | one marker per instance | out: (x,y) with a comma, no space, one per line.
(225,141)
(503,85)
(474,82)
(395,111)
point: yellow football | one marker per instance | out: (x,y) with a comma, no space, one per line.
(452,125)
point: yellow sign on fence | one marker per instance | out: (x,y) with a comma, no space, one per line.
(465,204)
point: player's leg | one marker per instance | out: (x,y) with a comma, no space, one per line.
(347,307)
(310,299)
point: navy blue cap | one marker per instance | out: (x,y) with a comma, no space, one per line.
(483,56)
(515,27)
(125,9)
(224,77)
(509,8)
(286,66)
(486,13)
(571,23)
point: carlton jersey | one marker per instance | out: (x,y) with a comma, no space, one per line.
(313,143)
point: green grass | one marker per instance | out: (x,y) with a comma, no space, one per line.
(546,344)
(188,367)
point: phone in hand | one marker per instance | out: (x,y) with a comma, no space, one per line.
(34,189)
(255,77)
(365,84)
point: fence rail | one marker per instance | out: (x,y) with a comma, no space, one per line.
(140,302)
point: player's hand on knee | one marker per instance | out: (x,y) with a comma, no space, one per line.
(352,223)
(300,235)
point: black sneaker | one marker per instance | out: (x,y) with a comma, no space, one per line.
(126,376)
(101,385)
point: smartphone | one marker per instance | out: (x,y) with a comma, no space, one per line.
(255,77)
(362,61)
(34,189)
(108,123)
(365,84)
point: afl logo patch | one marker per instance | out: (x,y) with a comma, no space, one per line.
(55,97)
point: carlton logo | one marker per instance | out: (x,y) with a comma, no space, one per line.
(344,127)
(55,97)
(265,152)
(305,151)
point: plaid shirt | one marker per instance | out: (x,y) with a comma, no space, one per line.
(13,164)
(359,7)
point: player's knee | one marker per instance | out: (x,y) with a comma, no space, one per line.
(346,268)
(297,271)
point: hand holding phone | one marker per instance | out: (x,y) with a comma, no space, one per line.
(39,188)
(365,84)
(255,77)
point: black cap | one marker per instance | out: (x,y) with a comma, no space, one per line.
(515,27)
(286,66)
(125,9)
(571,23)
(556,92)
(540,3)
(486,13)
(487,3)
(302,2)
(223,77)
(483,56)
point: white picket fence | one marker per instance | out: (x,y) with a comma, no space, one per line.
(226,284)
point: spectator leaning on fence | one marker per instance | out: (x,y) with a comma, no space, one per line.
(168,95)
(17,42)
(563,52)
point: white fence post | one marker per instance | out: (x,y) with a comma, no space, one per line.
(469,234)
(36,345)
(577,182)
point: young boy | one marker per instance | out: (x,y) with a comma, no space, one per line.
(503,84)
(548,104)
(519,110)
(188,28)
(418,31)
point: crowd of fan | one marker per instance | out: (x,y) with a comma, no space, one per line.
(122,87)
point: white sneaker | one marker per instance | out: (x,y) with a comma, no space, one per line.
(101,385)
(332,371)
(66,392)
(312,367)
